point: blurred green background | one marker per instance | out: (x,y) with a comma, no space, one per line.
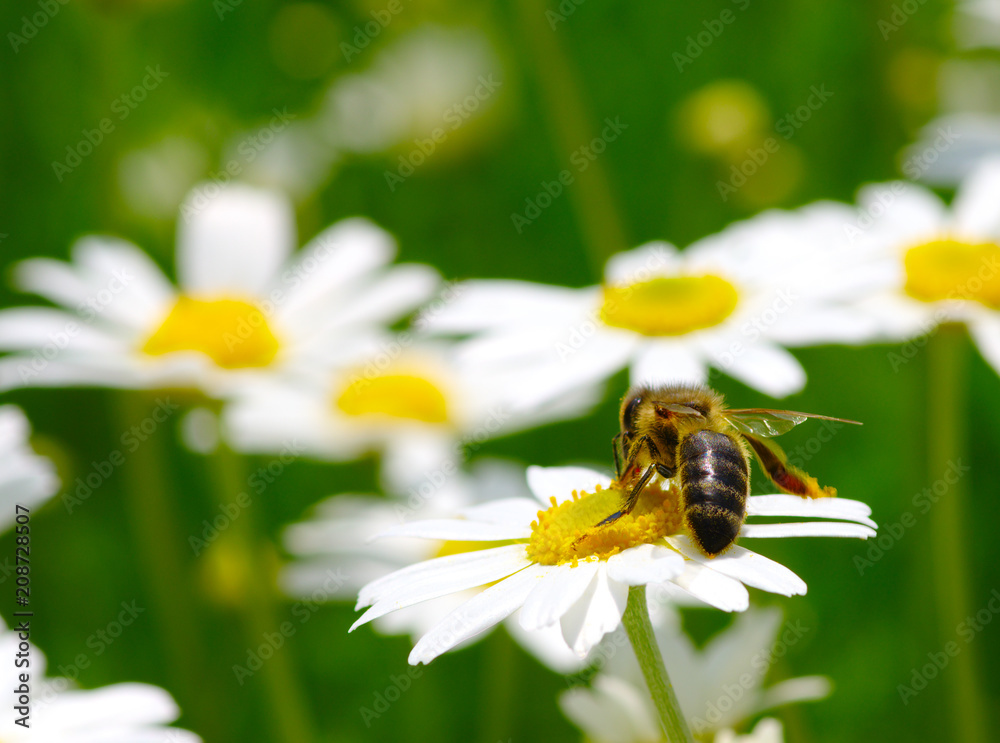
(226,75)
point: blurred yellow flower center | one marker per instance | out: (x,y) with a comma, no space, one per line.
(231,332)
(669,305)
(568,532)
(947,269)
(395,395)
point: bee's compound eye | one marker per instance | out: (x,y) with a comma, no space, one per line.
(630,411)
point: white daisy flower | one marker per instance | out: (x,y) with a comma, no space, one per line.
(418,403)
(245,307)
(60,713)
(26,478)
(730,301)
(559,570)
(337,557)
(719,686)
(934,263)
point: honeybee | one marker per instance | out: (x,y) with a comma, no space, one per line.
(686,430)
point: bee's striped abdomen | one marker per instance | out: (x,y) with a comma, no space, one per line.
(715,481)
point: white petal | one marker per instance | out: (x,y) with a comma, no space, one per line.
(139,292)
(745,566)
(642,263)
(401,290)
(986,334)
(560,482)
(457,530)
(646,563)
(800,689)
(598,611)
(443,583)
(714,588)
(52,279)
(118,704)
(58,335)
(975,205)
(337,259)
(547,645)
(509,511)
(493,563)
(770,369)
(806,529)
(481,305)
(233,240)
(823,508)
(555,594)
(612,711)
(661,362)
(478,614)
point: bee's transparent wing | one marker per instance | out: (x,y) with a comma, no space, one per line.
(769,423)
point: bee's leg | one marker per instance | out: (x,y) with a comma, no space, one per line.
(632,498)
(665,472)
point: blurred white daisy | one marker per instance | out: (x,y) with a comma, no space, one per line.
(26,479)
(337,557)
(60,713)
(418,403)
(245,307)
(560,570)
(731,301)
(718,687)
(768,730)
(934,263)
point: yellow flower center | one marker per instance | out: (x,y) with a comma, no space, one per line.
(231,332)
(669,305)
(948,269)
(568,532)
(395,395)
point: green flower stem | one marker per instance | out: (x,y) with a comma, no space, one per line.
(161,548)
(640,634)
(560,95)
(253,553)
(947,404)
